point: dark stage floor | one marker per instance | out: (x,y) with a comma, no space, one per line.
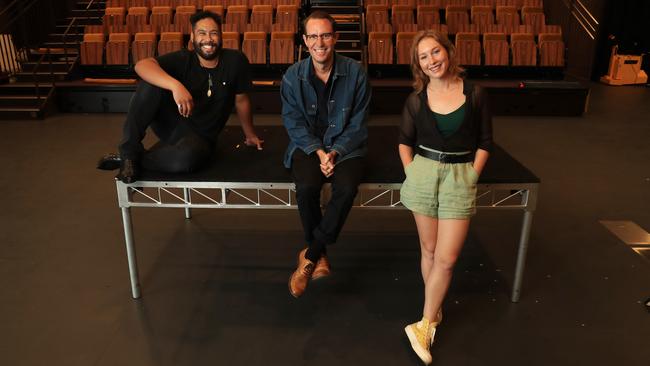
(215,288)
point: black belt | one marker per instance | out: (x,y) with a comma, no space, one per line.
(445,158)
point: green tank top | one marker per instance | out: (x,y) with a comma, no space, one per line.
(449,123)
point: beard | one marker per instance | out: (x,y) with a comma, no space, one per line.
(206,56)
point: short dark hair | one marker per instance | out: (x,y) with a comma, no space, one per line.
(319,14)
(203,14)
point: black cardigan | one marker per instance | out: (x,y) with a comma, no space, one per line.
(418,125)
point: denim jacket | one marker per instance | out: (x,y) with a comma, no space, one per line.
(347,110)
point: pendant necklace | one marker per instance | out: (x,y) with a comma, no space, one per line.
(209,84)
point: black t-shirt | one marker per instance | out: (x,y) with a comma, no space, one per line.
(230,77)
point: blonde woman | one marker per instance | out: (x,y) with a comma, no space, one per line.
(444,143)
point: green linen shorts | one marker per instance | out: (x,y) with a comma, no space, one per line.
(440,190)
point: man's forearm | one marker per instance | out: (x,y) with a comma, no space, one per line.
(243,108)
(149,70)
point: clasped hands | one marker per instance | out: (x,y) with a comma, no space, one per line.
(327,162)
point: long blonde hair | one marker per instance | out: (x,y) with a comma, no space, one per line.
(420,79)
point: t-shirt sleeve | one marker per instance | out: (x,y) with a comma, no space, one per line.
(407,133)
(173,63)
(243,82)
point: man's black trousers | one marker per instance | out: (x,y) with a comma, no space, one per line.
(180,148)
(323,228)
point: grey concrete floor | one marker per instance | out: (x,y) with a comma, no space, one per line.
(215,287)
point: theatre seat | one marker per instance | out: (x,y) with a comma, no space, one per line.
(137,15)
(160,15)
(117,49)
(454,16)
(144,46)
(482,16)
(170,42)
(376,14)
(380,48)
(551,50)
(92,49)
(113,16)
(262,15)
(427,15)
(217,9)
(468,49)
(534,17)
(403,47)
(286,17)
(402,14)
(495,48)
(524,51)
(254,47)
(238,16)
(508,17)
(231,40)
(282,48)
(182,17)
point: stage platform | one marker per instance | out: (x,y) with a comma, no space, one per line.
(241,177)
(507,96)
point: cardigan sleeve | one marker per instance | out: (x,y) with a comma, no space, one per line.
(485,120)
(407,131)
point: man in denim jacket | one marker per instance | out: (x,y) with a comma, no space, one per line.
(324,109)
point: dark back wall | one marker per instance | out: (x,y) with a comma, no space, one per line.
(582,31)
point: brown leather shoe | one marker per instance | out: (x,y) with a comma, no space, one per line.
(322,268)
(301,276)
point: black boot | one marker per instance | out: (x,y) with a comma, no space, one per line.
(109,162)
(128,171)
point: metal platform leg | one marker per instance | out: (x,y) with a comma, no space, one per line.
(130,252)
(187,196)
(521,255)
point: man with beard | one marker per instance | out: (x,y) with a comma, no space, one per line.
(186,97)
(325,101)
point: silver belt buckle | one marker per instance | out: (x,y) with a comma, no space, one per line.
(441,157)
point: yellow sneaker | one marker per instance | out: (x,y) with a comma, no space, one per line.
(420,337)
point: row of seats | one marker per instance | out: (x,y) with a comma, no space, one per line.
(455,17)
(464,3)
(200,4)
(471,28)
(494,50)
(280,50)
(237,18)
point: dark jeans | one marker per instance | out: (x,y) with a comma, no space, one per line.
(324,227)
(180,148)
